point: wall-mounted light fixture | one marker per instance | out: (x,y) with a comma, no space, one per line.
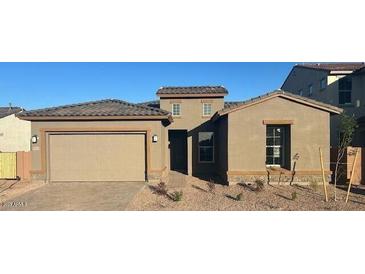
(34,139)
(154,138)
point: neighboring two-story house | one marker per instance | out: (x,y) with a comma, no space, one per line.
(339,84)
(191,130)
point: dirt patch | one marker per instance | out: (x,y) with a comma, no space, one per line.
(10,189)
(197,196)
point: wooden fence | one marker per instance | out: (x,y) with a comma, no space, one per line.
(15,165)
(347,163)
(8,165)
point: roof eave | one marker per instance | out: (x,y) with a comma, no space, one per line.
(95,118)
(331,110)
(195,95)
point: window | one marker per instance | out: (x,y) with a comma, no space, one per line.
(322,84)
(207,109)
(310,90)
(176,109)
(300,92)
(278,146)
(344,90)
(206,147)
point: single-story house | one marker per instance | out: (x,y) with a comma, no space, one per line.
(191,130)
(14,133)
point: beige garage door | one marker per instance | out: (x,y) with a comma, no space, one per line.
(97,157)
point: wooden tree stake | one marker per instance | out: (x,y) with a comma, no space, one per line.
(323,176)
(352,175)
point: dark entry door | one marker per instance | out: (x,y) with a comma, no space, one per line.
(178,150)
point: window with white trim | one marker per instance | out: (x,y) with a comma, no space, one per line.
(207,109)
(344,90)
(176,109)
(278,146)
(206,147)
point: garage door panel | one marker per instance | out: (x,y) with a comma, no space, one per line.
(97,157)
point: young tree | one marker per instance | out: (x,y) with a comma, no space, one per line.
(347,128)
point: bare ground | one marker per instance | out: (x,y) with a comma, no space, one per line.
(10,189)
(197,197)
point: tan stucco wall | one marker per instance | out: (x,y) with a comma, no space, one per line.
(14,134)
(157,152)
(193,121)
(191,111)
(247,135)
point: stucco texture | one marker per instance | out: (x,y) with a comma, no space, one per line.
(247,135)
(14,134)
(193,121)
(156,151)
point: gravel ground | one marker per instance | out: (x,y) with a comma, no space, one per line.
(197,197)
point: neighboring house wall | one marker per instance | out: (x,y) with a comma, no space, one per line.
(193,121)
(157,150)
(247,139)
(14,134)
(300,78)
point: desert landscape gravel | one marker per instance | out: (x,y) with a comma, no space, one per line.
(199,196)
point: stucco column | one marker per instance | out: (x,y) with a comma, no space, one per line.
(190,156)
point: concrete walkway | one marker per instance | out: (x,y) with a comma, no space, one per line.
(76,196)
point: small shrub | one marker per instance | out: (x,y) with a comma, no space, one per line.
(177,196)
(239,197)
(161,189)
(211,186)
(259,185)
(294,196)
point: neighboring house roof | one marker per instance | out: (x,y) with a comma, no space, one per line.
(152,104)
(98,110)
(6,111)
(232,104)
(333,66)
(192,91)
(278,93)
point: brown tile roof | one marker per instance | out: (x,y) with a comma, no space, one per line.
(152,104)
(6,111)
(232,104)
(229,107)
(102,108)
(333,66)
(192,90)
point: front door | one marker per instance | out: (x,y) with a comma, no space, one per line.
(178,150)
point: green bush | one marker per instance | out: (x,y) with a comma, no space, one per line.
(239,197)
(177,196)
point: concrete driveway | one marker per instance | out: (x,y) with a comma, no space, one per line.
(76,196)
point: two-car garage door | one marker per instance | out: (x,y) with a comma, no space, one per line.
(97,157)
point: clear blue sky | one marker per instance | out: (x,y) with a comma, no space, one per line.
(38,85)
